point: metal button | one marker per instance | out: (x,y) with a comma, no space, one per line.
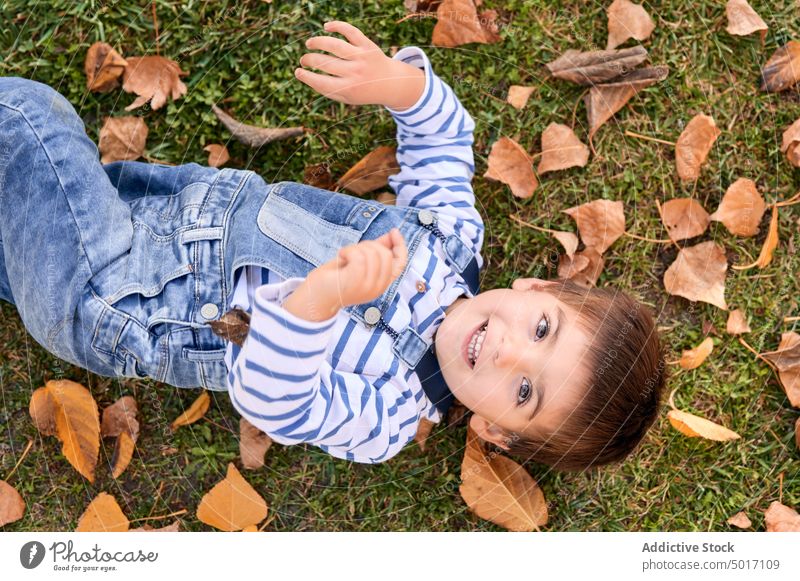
(209,310)
(372,208)
(425,217)
(421,287)
(372,315)
(366,214)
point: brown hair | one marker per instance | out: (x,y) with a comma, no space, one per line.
(622,401)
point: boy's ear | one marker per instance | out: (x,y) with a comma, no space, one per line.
(488,432)
(529,283)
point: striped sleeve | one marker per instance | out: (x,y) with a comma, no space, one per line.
(282,383)
(434,151)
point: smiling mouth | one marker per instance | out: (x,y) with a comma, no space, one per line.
(475,344)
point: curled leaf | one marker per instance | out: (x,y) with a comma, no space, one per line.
(627,20)
(561,149)
(584,267)
(597,66)
(232,504)
(684,218)
(195,411)
(695,426)
(741,209)
(743,20)
(600,222)
(423,431)
(509,163)
(769,246)
(698,274)
(319,175)
(103,66)
(119,420)
(122,138)
(693,358)
(782,70)
(371,171)
(694,145)
(233,326)
(154,79)
(786,359)
(251,135)
(568,240)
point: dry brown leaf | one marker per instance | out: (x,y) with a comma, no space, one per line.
(146,528)
(251,135)
(627,20)
(782,70)
(737,323)
(740,520)
(122,138)
(420,6)
(457,415)
(154,79)
(232,504)
(600,222)
(561,149)
(695,426)
(518,95)
(568,240)
(103,515)
(12,507)
(787,359)
(371,171)
(509,163)
(791,143)
(119,419)
(458,23)
(779,518)
(217,154)
(253,445)
(694,145)
(769,246)
(103,67)
(584,267)
(76,422)
(597,66)
(698,274)
(233,326)
(684,218)
(195,411)
(693,358)
(741,208)
(498,489)
(743,20)
(605,100)
(797,433)
(423,431)
(319,175)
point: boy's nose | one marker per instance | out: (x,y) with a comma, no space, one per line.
(509,352)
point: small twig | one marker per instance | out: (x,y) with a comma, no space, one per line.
(575,108)
(791,319)
(414,15)
(780,486)
(795,199)
(503,101)
(155,23)
(21,458)
(163,516)
(648,138)
(218,425)
(645,239)
(756,353)
(155,500)
(529,225)
(266,522)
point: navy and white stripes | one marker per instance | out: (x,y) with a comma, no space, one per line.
(335,383)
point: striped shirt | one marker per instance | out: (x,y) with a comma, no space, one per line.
(336,383)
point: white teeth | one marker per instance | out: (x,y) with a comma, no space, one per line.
(475,344)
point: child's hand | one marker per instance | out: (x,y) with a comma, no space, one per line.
(358,72)
(360,273)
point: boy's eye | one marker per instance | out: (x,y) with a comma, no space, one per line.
(524,391)
(542,328)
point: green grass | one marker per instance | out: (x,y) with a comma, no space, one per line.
(243,54)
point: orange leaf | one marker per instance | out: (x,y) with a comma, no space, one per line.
(423,431)
(694,145)
(684,218)
(692,358)
(103,515)
(568,240)
(119,419)
(740,520)
(253,444)
(782,70)
(770,244)
(458,23)
(779,518)
(627,20)
(372,171)
(743,20)
(600,222)
(509,163)
(103,67)
(698,274)
(122,138)
(787,359)
(232,504)
(518,95)
(154,79)
(741,209)
(791,143)
(561,149)
(217,154)
(146,528)
(195,411)
(584,267)
(737,323)
(12,507)
(695,426)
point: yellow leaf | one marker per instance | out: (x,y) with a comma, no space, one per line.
(196,411)
(103,515)
(232,504)
(770,244)
(692,358)
(695,426)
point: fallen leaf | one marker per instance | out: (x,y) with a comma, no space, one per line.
(787,359)
(319,176)
(695,426)
(154,79)
(421,6)
(457,415)
(12,507)
(217,154)
(584,267)
(561,149)
(605,100)
(769,246)
(782,70)
(146,528)
(371,171)
(253,445)
(510,164)
(740,520)
(797,433)
(103,515)
(103,67)
(737,323)
(387,198)
(627,20)
(779,518)
(693,358)
(122,138)
(694,145)
(597,66)
(195,411)
(684,218)
(743,20)
(233,326)
(119,420)
(250,529)
(498,489)
(253,136)
(423,431)
(698,274)
(232,504)
(518,95)
(741,209)
(600,222)
(458,23)
(75,419)
(791,143)
(568,240)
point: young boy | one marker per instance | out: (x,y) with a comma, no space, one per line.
(348,297)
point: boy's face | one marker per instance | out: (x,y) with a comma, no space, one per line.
(531,358)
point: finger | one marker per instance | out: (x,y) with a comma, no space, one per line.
(322,84)
(325,63)
(333,45)
(399,254)
(385,240)
(350,32)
